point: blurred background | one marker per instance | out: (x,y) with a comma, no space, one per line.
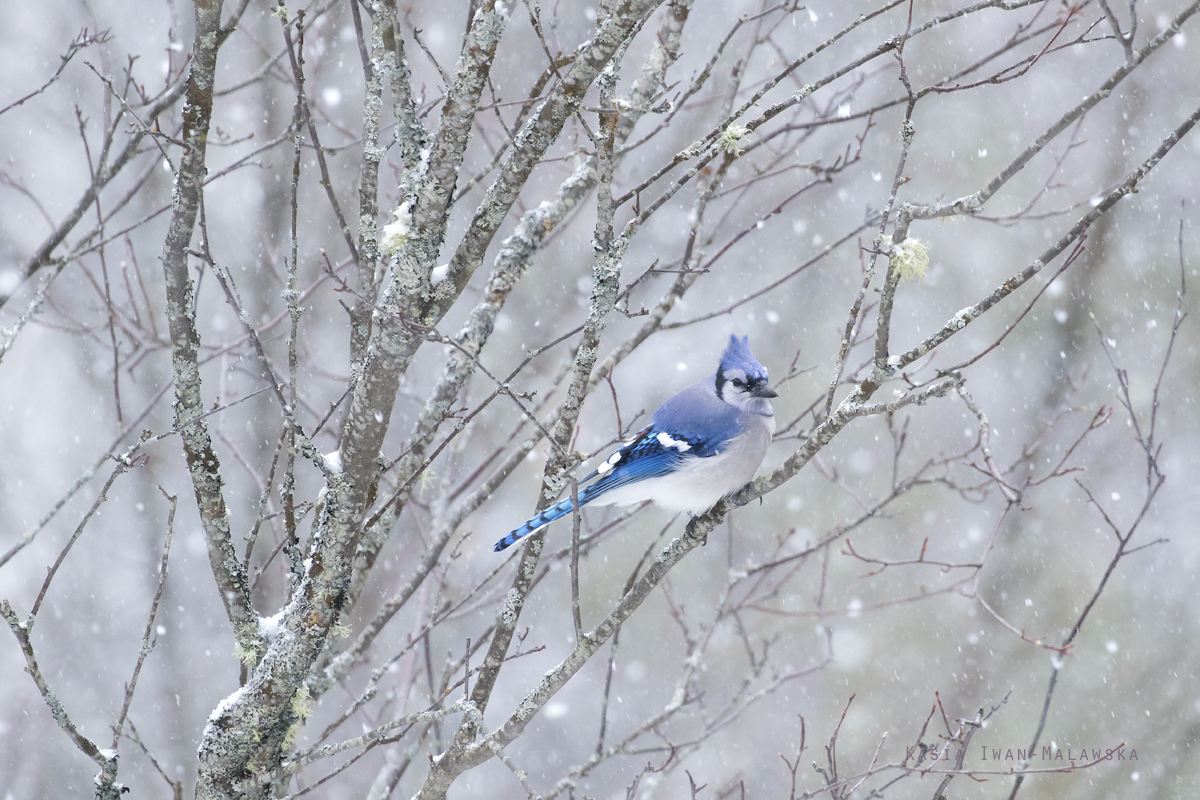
(92,369)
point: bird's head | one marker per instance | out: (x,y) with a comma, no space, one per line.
(742,381)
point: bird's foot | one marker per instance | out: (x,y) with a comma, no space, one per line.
(740,497)
(690,530)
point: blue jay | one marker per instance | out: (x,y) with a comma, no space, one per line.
(700,445)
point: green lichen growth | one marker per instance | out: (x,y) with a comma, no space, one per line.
(910,258)
(302,704)
(731,136)
(289,738)
(249,656)
(302,708)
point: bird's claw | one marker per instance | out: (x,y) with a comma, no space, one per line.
(739,498)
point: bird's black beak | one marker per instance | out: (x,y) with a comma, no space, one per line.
(764,391)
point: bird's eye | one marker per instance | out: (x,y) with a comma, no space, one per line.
(737,382)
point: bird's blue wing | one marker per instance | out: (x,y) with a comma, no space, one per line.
(697,415)
(650,454)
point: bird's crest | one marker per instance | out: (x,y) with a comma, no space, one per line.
(738,356)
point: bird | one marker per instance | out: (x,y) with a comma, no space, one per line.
(703,443)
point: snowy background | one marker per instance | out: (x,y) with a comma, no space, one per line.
(1131,674)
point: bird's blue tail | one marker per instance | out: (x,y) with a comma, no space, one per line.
(547,516)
